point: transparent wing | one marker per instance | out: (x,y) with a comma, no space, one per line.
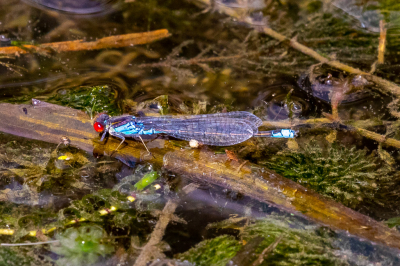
(207,129)
(253,121)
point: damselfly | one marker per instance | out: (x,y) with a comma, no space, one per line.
(221,129)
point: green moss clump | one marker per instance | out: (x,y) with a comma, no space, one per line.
(300,245)
(303,246)
(81,246)
(91,99)
(216,252)
(90,205)
(346,175)
(8,256)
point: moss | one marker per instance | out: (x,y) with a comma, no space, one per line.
(18,257)
(302,246)
(216,252)
(346,175)
(91,99)
(90,205)
(81,246)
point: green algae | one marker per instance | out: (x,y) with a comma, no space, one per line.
(347,175)
(81,246)
(299,245)
(217,251)
(93,100)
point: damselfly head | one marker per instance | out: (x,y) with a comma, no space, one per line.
(100,122)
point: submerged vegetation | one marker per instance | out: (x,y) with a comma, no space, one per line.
(346,175)
(291,246)
(82,246)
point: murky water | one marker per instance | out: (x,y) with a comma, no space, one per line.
(91,205)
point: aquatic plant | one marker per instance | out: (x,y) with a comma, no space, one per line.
(90,206)
(347,175)
(217,251)
(91,99)
(17,256)
(299,245)
(81,246)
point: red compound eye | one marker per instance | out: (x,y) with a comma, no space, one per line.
(99,127)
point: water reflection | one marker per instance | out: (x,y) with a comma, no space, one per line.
(74,6)
(282,101)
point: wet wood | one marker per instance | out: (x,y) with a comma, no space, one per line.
(50,123)
(79,45)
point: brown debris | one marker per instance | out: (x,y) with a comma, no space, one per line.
(150,251)
(382,42)
(79,45)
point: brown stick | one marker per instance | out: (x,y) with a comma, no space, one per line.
(319,121)
(269,187)
(385,84)
(267,250)
(382,42)
(150,251)
(196,61)
(78,45)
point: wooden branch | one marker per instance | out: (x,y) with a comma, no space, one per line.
(79,45)
(353,126)
(385,84)
(151,250)
(48,122)
(382,42)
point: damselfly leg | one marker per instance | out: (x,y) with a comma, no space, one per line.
(117,135)
(122,137)
(145,146)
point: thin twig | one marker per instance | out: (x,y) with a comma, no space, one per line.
(385,84)
(320,121)
(150,251)
(266,251)
(29,244)
(78,45)
(382,42)
(196,61)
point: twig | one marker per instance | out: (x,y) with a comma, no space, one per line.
(266,251)
(319,121)
(29,244)
(382,42)
(385,84)
(177,50)
(150,251)
(379,138)
(195,61)
(78,45)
